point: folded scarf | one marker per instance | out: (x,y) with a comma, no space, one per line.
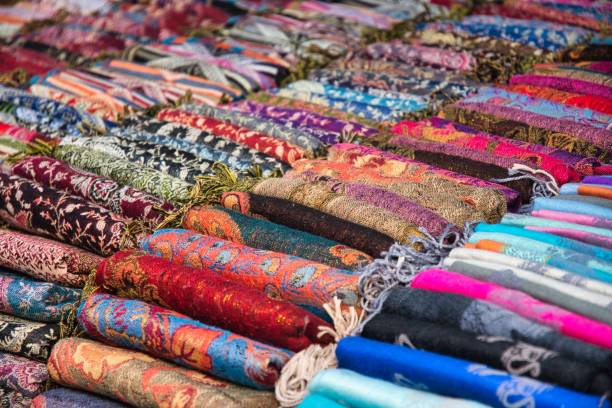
(35,300)
(484,318)
(570,297)
(596,103)
(460,378)
(68,398)
(564,84)
(182,165)
(591,235)
(13,399)
(125,173)
(550,239)
(123,200)
(203,295)
(566,322)
(46,259)
(309,220)
(569,72)
(391,165)
(288,277)
(603,180)
(170,335)
(514,128)
(575,206)
(43,210)
(279,149)
(257,233)
(360,391)
(224,151)
(312,145)
(27,377)
(141,380)
(445,198)
(26,338)
(515,357)
(576,218)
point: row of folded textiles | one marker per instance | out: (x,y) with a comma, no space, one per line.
(351,204)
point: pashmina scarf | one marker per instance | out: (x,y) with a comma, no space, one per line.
(519,130)
(578,86)
(461,378)
(141,380)
(590,190)
(26,338)
(13,399)
(484,318)
(35,300)
(279,149)
(27,377)
(572,73)
(257,233)
(361,391)
(575,218)
(68,398)
(170,335)
(596,103)
(122,200)
(43,210)
(45,259)
(125,173)
(279,275)
(566,322)
(515,357)
(308,220)
(203,295)
(580,206)
(224,149)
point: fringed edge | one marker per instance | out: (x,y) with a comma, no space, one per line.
(292,385)
(544,184)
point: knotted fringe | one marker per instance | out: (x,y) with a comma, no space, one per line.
(291,387)
(544,184)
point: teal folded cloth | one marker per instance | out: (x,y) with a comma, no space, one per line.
(319,401)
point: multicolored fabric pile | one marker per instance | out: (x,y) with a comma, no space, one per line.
(258,203)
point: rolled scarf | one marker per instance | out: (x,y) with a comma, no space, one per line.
(398,51)
(46,259)
(488,147)
(225,151)
(35,300)
(262,234)
(332,128)
(279,275)
(138,325)
(570,297)
(281,102)
(122,200)
(595,136)
(575,218)
(574,206)
(279,149)
(43,210)
(518,129)
(488,258)
(68,398)
(445,198)
(360,391)
(578,86)
(461,378)
(515,357)
(502,97)
(203,295)
(25,376)
(596,103)
(26,338)
(566,322)
(311,145)
(309,220)
(182,165)
(591,235)
(320,196)
(392,165)
(141,380)
(484,318)
(125,173)
(550,239)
